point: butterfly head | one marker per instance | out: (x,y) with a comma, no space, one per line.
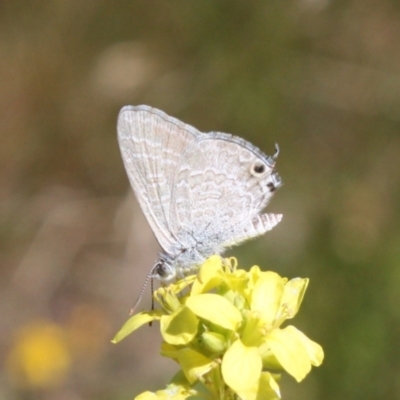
(163,270)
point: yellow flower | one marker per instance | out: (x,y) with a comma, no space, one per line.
(177,389)
(226,334)
(40,357)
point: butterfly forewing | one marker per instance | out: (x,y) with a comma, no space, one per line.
(151,144)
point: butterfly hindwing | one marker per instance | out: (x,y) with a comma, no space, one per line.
(218,192)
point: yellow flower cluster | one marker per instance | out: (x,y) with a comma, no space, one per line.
(226,333)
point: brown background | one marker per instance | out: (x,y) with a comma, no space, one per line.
(321,78)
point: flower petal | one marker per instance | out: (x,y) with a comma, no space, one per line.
(169,350)
(293,294)
(241,369)
(136,322)
(179,327)
(266,296)
(215,309)
(268,388)
(314,350)
(194,364)
(209,275)
(251,332)
(289,350)
(148,396)
(174,391)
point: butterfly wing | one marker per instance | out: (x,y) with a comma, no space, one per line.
(222,185)
(151,144)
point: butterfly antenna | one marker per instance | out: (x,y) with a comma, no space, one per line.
(152,292)
(277,150)
(139,299)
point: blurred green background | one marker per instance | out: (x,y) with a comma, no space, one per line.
(321,78)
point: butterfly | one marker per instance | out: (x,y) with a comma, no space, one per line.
(201,193)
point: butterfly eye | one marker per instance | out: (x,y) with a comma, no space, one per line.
(162,270)
(257,168)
